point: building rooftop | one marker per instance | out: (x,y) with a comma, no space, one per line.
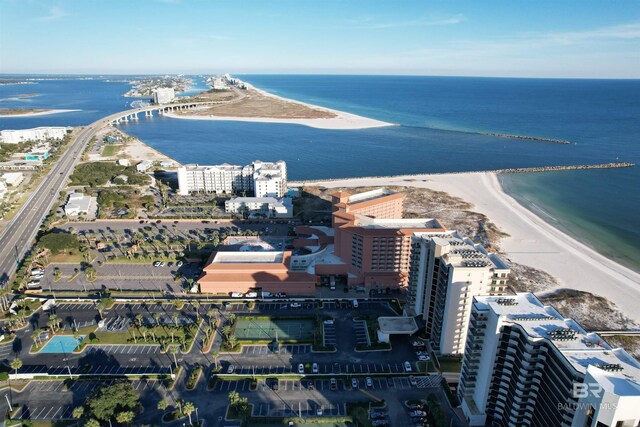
(383,223)
(397,325)
(78,201)
(581,349)
(463,252)
(248,257)
(369,195)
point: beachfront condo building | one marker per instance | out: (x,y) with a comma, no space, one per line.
(446,272)
(526,365)
(260,207)
(9,136)
(163,95)
(261,179)
(373,240)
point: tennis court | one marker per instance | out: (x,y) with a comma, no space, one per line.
(267,329)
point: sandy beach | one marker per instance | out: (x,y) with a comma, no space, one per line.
(532,241)
(338,120)
(34,114)
(343,121)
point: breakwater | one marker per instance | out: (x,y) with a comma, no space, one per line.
(528,138)
(565,168)
(511,170)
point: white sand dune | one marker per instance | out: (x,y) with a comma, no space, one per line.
(532,241)
(38,113)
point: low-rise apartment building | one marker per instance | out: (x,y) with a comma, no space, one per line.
(266,207)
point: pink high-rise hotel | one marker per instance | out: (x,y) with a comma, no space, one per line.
(372,239)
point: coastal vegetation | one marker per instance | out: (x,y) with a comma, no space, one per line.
(96,174)
(253,103)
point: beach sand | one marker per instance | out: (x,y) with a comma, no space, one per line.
(532,241)
(342,121)
(338,120)
(38,113)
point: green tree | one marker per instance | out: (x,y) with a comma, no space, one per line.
(215,355)
(78,412)
(58,242)
(92,423)
(163,405)
(125,417)
(108,401)
(90,273)
(16,364)
(239,404)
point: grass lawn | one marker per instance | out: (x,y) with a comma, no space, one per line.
(110,150)
(67,257)
(154,335)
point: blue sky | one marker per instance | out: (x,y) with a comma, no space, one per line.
(537,38)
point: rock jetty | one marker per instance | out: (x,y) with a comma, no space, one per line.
(566,168)
(529,138)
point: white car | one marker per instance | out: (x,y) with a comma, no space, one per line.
(314,368)
(369,382)
(301,368)
(230,369)
(237,294)
(424,358)
(37,275)
(407,367)
(354,383)
(328,322)
(295,305)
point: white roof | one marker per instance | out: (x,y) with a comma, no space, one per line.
(580,348)
(258,257)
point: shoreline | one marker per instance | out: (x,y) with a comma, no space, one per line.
(39,113)
(532,241)
(341,121)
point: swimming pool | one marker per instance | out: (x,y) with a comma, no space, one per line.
(61,344)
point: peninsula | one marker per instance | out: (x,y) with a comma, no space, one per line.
(233,100)
(30,112)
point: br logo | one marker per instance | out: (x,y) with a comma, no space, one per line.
(584,390)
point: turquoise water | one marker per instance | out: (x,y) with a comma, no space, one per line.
(61,344)
(437,118)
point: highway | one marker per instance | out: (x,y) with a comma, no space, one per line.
(18,236)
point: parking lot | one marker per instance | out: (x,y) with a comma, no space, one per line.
(65,370)
(323,368)
(124,349)
(52,400)
(361,332)
(330,334)
(257,350)
(6,351)
(304,408)
(322,385)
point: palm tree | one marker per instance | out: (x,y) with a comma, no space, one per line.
(92,423)
(175,317)
(156,317)
(215,355)
(35,336)
(174,350)
(16,364)
(188,409)
(162,405)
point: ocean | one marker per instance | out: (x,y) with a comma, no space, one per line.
(438,118)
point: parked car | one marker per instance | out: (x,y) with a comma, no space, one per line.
(237,294)
(301,368)
(158,263)
(314,368)
(295,305)
(333,383)
(417,413)
(37,275)
(369,381)
(424,358)
(230,369)
(179,264)
(407,367)
(328,322)
(319,411)
(354,383)
(413,381)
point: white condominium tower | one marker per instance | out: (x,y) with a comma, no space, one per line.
(446,272)
(163,95)
(526,365)
(263,179)
(269,179)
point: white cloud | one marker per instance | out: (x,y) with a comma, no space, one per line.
(54,13)
(371,23)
